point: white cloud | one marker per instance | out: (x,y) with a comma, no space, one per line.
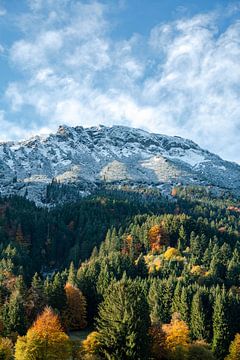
(183,79)
(198,83)
(10,127)
(27,54)
(2,11)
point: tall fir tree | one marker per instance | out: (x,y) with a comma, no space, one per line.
(198,320)
(221,333)
(123,333)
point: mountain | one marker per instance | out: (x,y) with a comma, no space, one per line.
(88,157)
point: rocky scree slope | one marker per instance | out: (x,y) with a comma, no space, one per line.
(87,157)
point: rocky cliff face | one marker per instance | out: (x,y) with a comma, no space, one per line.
(89,156)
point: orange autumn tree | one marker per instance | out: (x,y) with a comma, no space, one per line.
(44,340)
(131,246)
(75,313)
(157,237)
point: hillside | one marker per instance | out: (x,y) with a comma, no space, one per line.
(88,157)
(169,269)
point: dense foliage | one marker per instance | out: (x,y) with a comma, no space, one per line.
(153,277)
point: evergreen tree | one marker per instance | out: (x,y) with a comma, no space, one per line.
(184,305)
(13,315)
(182,239)
(198,321)
(123,333)
(104,279)
(221,334)
(177,298)
(36,299)
(56,294)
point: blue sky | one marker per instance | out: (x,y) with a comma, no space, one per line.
(165,66)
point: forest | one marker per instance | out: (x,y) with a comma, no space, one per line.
(142,275)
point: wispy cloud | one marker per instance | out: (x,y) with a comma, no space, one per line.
(181,79)
(2,11)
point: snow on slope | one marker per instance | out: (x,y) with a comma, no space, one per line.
(110,154)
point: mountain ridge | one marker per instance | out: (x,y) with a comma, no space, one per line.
(101,154)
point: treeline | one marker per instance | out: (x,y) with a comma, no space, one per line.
(164,283)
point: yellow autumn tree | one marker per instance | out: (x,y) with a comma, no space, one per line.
(234,349)
(177,338)
(171,253)
(45,340)
(92,343)
(76,313)
(6,349)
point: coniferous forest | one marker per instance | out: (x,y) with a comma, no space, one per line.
(134,274)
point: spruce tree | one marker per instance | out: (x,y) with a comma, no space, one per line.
(13,315)
(36,299)
(177,298)
(123,322)
(184,305)
(154,303)
(198,321)
(221,334)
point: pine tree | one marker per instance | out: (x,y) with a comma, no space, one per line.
(124,331)
(221,335)
(198,321)
(36,299)
(104,279)
(177,298)
(154,304)
(160,300)
(184,305)
(13,314)
(233,270)
(57,296)
(182,239)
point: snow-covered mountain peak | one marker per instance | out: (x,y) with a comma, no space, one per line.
(81,156)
